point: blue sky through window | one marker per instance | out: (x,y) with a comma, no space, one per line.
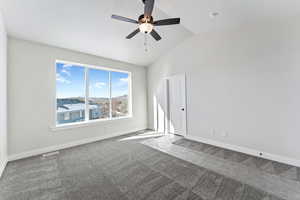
(119,84)
(70,82)
(99,83)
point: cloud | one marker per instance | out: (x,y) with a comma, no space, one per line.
(124,79)
(67,66)
(122,82)
(62,79)
(66,71)
(99,85)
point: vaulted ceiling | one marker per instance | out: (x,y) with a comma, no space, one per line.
(86,26)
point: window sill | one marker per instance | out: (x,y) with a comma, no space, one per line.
(85,124)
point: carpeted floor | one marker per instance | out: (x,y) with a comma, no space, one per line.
(118,169)
(271,167)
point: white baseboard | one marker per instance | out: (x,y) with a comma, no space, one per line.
(2,167)
(37,152)
(246,150)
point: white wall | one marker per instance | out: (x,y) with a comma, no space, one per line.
(245,82)
(3,96)
(31,92)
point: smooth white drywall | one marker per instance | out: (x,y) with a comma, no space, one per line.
(3,96)
(31,92)
(243,83)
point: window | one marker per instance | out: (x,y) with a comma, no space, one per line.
(86,93)
(119,94)
(99,94)
(70,93)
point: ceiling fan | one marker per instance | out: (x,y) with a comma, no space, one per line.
(146,22)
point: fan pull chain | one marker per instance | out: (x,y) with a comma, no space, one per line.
(146,43)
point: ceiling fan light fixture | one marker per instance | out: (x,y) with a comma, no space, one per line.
(146,23)
(146,27)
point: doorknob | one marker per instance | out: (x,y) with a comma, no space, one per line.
(182,109)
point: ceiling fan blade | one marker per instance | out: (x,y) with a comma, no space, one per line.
(149,4)
(131,35)
(155,35)
(164,22)
(124,19)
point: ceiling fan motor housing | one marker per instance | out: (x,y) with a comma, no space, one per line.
(146,23)
(143,19)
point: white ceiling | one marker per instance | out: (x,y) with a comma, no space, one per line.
(196,17)
(86,26)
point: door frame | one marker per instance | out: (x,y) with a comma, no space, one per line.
(167,103)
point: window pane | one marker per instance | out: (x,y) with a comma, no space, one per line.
(70,93)
(98,94)
(119,92)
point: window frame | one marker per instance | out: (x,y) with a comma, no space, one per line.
(87,121)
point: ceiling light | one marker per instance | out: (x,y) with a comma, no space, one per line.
(146,27)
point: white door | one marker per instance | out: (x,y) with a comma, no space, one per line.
(177,104)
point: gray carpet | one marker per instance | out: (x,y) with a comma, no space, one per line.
(271,167)
(117,170)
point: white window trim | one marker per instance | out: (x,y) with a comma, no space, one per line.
(85,123)
(88,122)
